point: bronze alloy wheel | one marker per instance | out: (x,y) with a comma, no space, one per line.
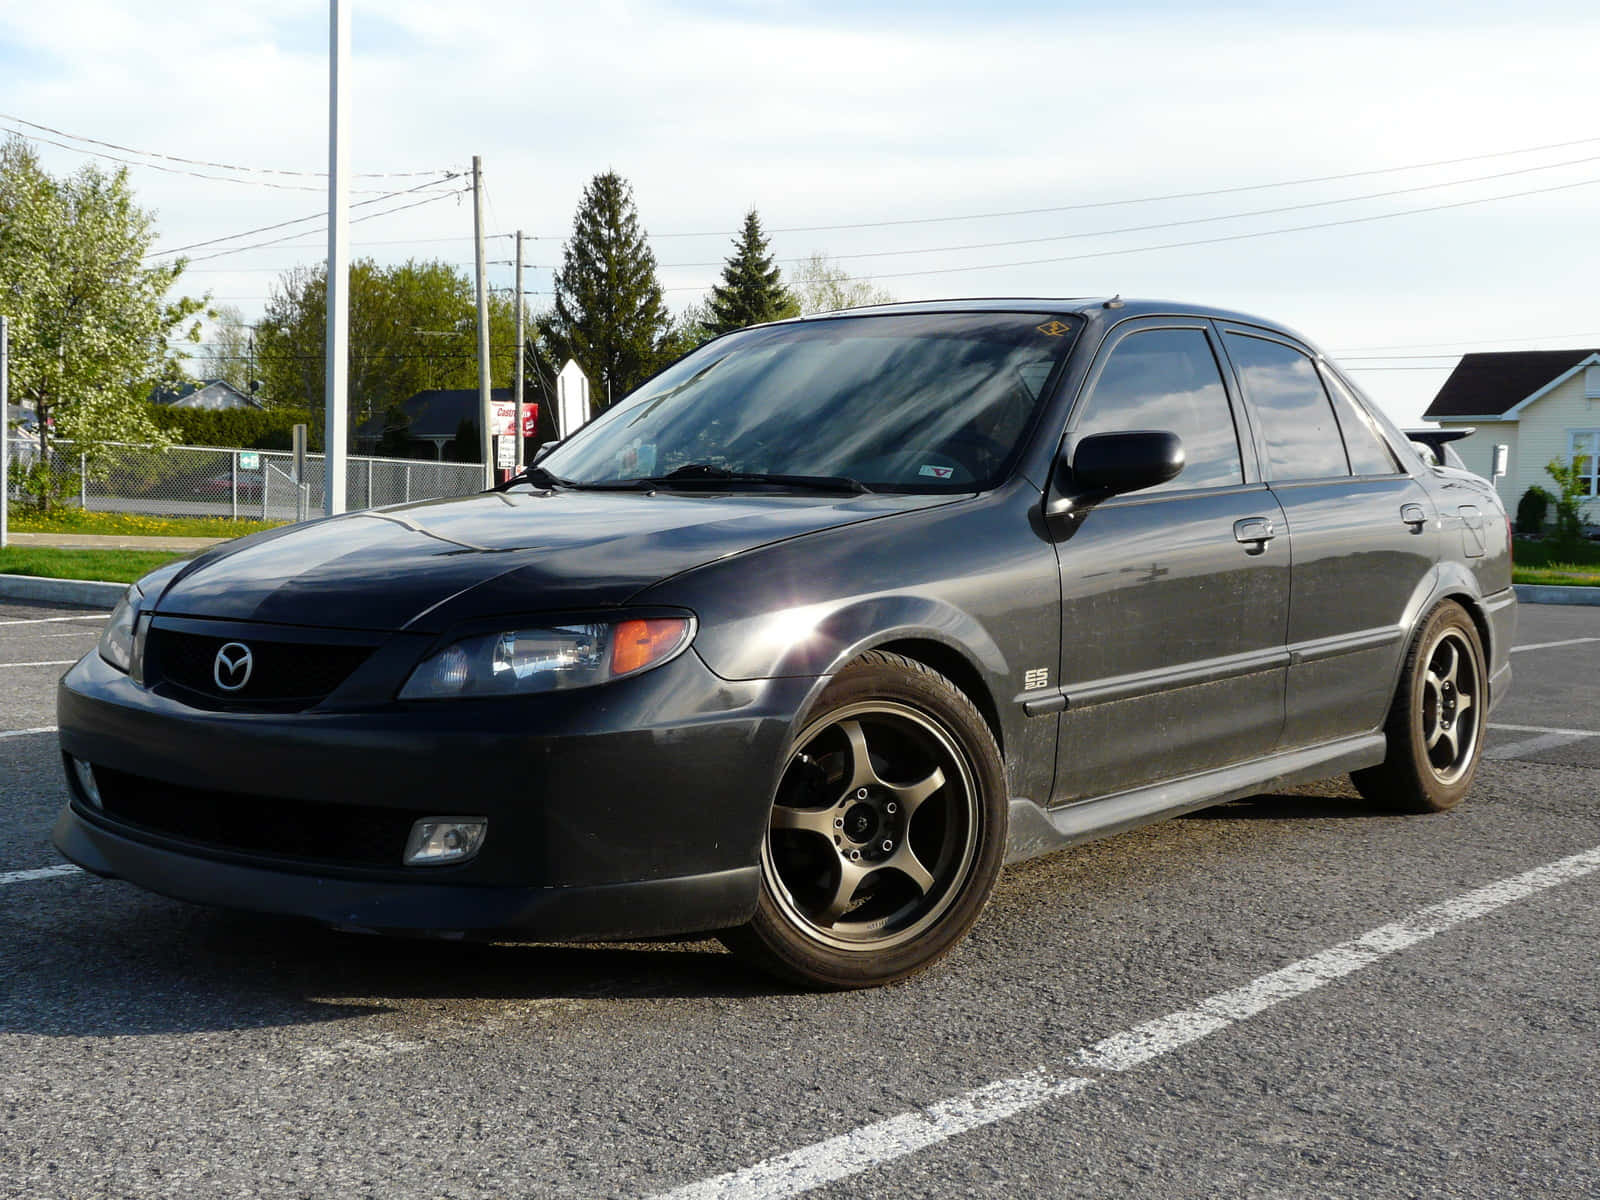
(886,832)
(1435,725)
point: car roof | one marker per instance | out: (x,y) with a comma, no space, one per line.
(1108,309)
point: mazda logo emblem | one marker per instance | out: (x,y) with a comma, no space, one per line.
(233,666)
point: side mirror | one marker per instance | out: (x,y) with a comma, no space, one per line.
(1109,464)
(544,450)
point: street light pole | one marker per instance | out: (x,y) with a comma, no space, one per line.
(521,336)
(338,361)
(485,415)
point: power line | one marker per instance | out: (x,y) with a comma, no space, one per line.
(1252,187)
(1238,216)
(298,220)
(196,162)
(1232,237)
(354,221)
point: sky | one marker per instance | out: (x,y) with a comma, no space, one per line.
(942,149)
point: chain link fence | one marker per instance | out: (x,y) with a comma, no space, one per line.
(202,481)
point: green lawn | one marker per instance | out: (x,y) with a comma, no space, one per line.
(118,566)
(1543,562)
(74,520)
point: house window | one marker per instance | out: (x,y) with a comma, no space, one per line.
(1583,451)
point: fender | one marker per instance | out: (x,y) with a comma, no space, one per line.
(1454,581)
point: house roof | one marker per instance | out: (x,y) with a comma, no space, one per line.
(1490,384)
(435,413)
(210,394)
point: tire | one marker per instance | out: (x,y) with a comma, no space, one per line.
(886,834)
(1436,724)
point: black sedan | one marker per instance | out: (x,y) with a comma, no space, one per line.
(801,641)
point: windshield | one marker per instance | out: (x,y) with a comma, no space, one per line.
(937,402)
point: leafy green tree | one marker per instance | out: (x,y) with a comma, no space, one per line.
(609,314)
(412,327)
(821,285)
(1571,488)
(91,324)
(751,291)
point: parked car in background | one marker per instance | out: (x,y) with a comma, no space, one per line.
(805,638)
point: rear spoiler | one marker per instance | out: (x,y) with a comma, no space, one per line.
(1437,439)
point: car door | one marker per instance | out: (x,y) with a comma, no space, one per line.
(1364,536)
(1175,598)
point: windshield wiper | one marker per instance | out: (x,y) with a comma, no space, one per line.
(702,474)
(537,477)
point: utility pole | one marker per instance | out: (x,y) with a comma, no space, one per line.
(338,363)
(5,411)
(485,416)
(521,337)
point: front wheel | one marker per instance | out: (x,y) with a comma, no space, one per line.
(1436,724)
(886,834)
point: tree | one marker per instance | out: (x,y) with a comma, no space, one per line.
(751,291)
(822,286)
(608,313)
(1571,488)
(229,352)
(90,320)
(412,327)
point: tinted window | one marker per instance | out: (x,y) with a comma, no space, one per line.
(1369,453)
(1296,420)
(1168,379)
(906,402)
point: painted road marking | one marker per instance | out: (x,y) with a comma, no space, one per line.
(62,662)
(48,620)
(25,732)
(1553,645)
(1545,729)
(1545,741)
(7,877)
(883,1141)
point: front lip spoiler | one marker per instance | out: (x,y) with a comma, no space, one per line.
(645,908)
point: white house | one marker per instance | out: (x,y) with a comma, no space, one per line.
(1543,404)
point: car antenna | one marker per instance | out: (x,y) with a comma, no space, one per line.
(1115,302)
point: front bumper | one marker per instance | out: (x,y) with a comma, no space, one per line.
(629,809)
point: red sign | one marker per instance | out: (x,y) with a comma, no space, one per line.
(530,419)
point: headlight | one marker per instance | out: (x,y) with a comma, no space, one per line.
(547,659)
(116,643)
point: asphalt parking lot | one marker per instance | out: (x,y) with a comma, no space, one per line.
(1291,995)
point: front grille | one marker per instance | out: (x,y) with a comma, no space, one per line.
(293,675)
(341,834)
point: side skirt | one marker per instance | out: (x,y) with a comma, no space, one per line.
(1035,830)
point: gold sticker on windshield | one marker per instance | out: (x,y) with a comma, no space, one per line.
(1054,328)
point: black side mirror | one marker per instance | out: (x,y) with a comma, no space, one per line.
(543,450)
(1109,464)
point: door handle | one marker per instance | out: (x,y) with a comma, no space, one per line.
(1414,516)
(1254,533)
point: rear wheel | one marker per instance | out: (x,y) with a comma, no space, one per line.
(886,834)
(1436,723)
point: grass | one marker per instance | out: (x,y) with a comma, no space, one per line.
(1544,562)
(117,566)
(75,520)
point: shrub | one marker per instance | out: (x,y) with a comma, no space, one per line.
(1531,510)
(1570,495)
(244,428)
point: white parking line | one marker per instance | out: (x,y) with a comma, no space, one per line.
(1545,741)
(48,620)
(59,662)
(5,733)
(1553,645)
(1545,729)
(7,877)
(872,1145)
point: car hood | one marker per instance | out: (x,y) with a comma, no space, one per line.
(424,566)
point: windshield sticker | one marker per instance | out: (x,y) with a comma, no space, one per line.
(1053,328)
(937,472)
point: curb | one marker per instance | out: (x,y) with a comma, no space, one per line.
(88,592)
(1550,593)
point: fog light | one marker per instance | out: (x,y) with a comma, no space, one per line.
(85,774)
(437,841)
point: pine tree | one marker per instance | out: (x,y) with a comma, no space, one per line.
(751,290)
(608,313)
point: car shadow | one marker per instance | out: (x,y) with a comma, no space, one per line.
(170,970)
(1345,804)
